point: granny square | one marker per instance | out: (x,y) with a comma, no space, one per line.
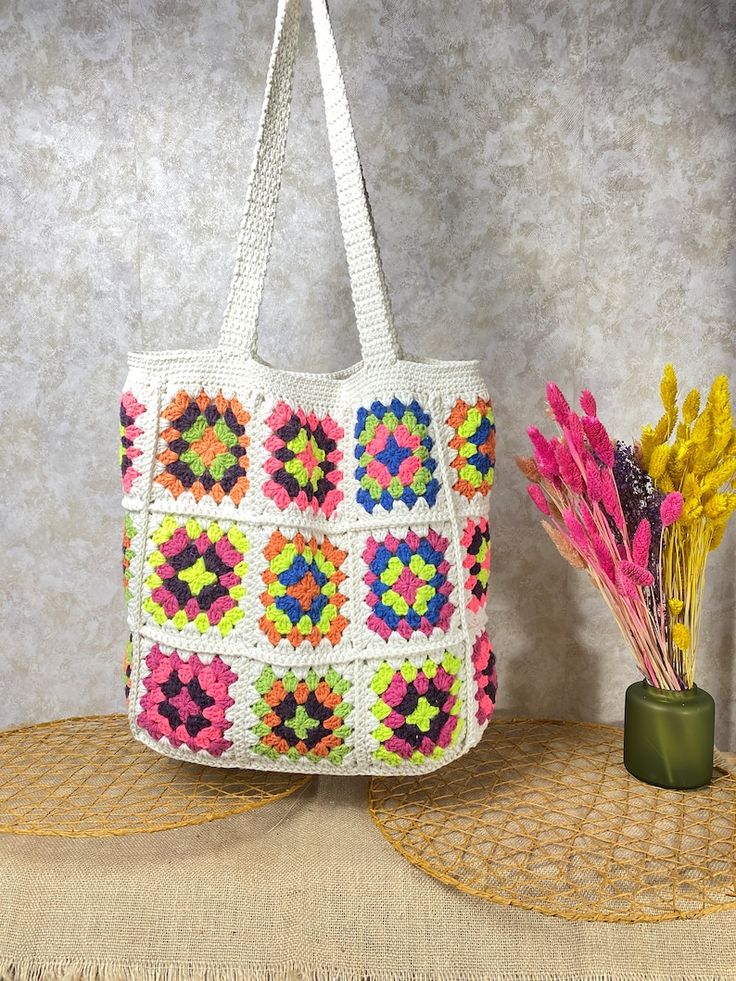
(408,584)
(195,574)
(395,462)
(304,461)
(303,597)
(186,701)
(205,449)
(484,673)
(476,541)
(130,410)
(302,716)
(474,443)
(417,710)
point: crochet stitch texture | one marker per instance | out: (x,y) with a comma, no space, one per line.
(306,557)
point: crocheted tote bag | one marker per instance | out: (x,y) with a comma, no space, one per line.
(306,556)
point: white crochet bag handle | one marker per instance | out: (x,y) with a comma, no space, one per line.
(378,339)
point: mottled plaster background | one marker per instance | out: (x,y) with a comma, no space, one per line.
(553,185)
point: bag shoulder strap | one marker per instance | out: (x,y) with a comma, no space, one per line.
(370,297)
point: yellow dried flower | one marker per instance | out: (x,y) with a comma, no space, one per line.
(646,445)
(719,530)
(696,455)
(679,458)
(664,427)
(720,507)
(658,461)
(703,428)
(705,458)
(690,485)
(680,636)
(692,511)
(719,401)
(719,475)
(715,507)
(691,407)
(668,390)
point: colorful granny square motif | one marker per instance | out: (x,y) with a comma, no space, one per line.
(130,409)
(394,456)
(129,534)
(197,575)
(408,584)
(418,710)
(186,701)
(302,719)
(477,543)
(128,665)
(206,447)
(475,443)
(302,597)
(304,460)
(484,672)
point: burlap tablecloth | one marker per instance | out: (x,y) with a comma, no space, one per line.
(306,888)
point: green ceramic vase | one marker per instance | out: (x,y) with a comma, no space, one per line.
(668,736)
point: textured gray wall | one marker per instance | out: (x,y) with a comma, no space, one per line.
(553,185)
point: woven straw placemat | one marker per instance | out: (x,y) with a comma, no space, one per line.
(88,777)
(543,815)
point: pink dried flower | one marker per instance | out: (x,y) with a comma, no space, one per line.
(642,543)
(636,574)
(543,453)
(605,559)
(587,403)
(577,532)
(588,520)
(671,508)
(537,495)
(609,496)
(599,439)
(625,585)
(558,404)
(575,434)
(593,480)
(569,470)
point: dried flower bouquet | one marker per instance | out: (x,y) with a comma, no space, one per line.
(641,519)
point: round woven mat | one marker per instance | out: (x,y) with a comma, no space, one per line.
(543,815)
(89,777)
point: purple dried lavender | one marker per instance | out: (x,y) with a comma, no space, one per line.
(639,497)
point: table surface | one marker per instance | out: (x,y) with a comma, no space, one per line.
(306,888)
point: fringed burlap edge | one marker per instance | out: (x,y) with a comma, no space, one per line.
(25,970)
